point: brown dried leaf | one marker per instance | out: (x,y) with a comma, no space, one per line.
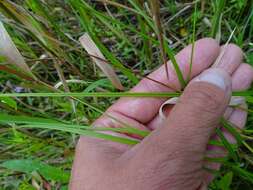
(9,51)
(100,60)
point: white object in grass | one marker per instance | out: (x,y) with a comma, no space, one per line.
(10,53)
(235,101)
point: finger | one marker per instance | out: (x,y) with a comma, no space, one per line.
(241,80)
(181,141)
(144,109)
(231,58)
(230,61)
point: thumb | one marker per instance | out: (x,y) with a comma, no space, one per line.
(192,120)
(199,110)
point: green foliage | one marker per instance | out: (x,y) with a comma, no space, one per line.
(225,182)
(29,166)
(9,101)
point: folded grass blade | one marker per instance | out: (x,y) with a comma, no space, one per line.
(89,26)
(9,51)
(100,60)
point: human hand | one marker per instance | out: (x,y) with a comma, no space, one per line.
(172,156)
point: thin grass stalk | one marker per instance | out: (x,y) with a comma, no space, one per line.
(175,65)
(64,83)
(111,94)
(219,6)
(147,46)
(192,42)
(119,5)
(94,94)
(227,145)
(86,23)
(155,8)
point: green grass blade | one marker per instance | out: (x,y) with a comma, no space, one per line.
(175,64)
(247,175)
(41,123)
(232,130)
(87,133)
(219,7)
(94,94)
(29,166)
(193,41)
(85,21)
(231,150)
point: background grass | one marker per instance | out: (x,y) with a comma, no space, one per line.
(32,155)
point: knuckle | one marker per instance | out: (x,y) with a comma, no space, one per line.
(235,48)
(204,98)
(247,68)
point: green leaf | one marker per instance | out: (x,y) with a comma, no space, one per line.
(241,172)
(232,130)
(41,123)
(175,64)
(225,181)
(95,94)
(29,166)
(86,23)
(25,119)
(228,146)
(98,83)
(89,133)
(219,7)
(9,101)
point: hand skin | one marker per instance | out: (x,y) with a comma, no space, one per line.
(172,156)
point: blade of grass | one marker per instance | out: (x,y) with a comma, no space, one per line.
(155,7)
(111,23)
(92,49)
(227,145)
(232,130)
(118,22)
(218,8)
(175,64)
(146,43)
(141,12)
(41,123)
(38,121)
(88,26)
(41,10)
(93,94)
(37,31)
(29,166)
(192,41)
(11,53)
(110,94)
(88,133)
(241,172)
(218,60)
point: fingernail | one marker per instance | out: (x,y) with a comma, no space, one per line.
(215,76)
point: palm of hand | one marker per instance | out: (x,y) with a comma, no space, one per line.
(106,165)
